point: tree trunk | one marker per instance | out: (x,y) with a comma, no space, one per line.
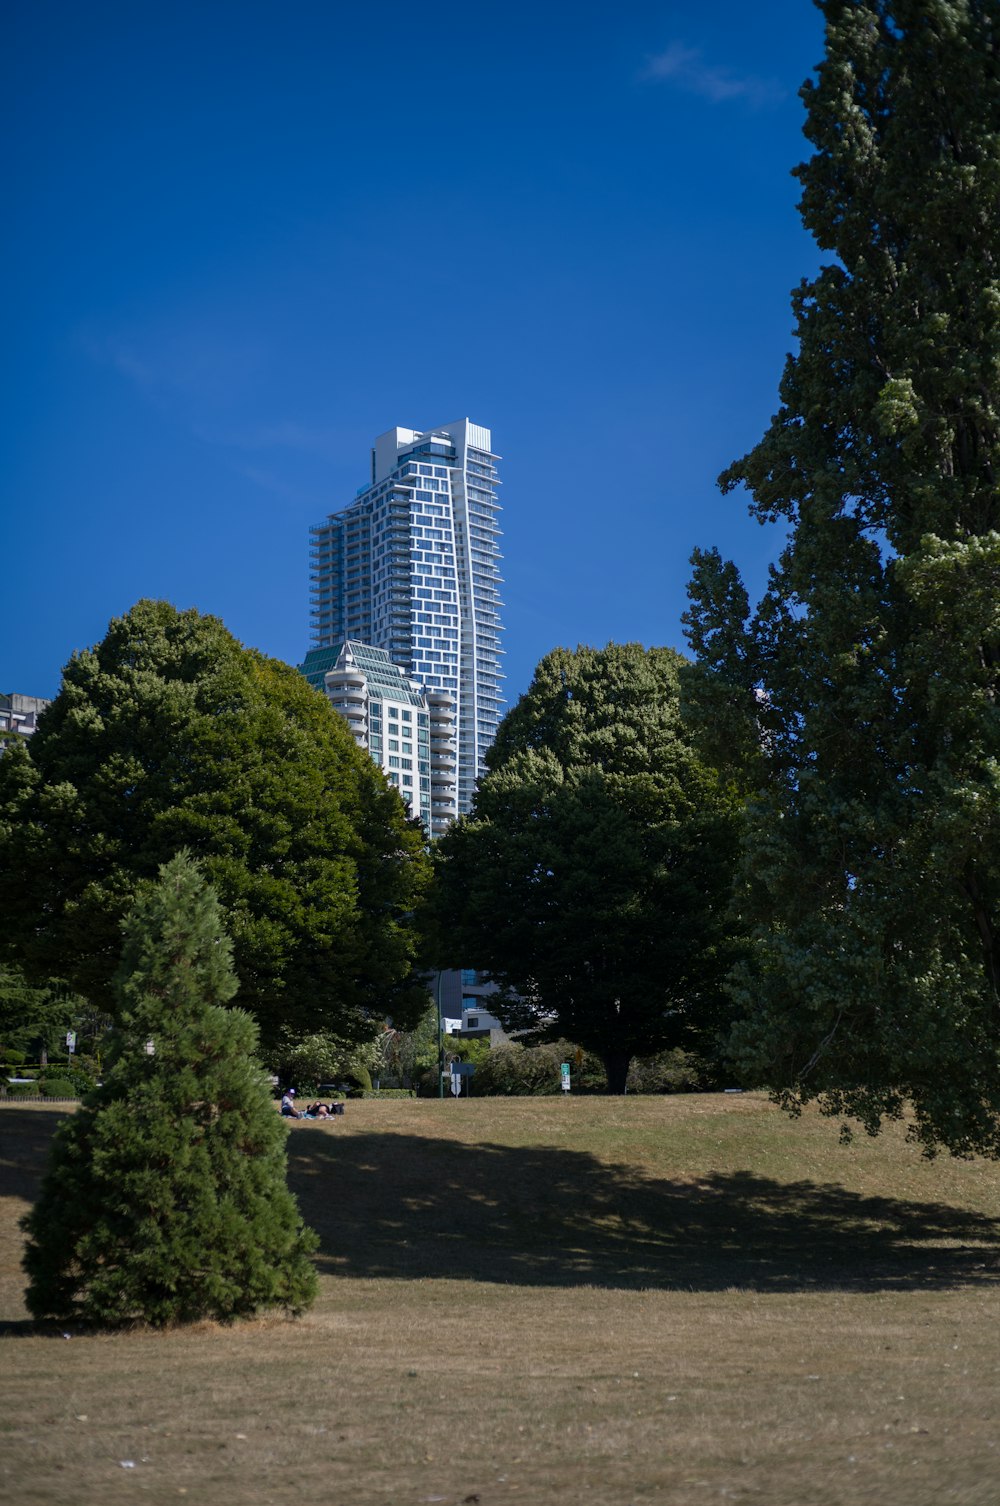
(616,1065)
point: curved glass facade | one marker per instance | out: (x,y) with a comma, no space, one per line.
(412,566)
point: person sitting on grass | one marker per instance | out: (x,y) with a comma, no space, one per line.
(288,1108)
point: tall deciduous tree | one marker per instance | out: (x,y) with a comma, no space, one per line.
(165,1200)
(591,878)
(862,697)
(170,734)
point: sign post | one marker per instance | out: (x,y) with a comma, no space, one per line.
(564,1076)
(458,1071)
(71,1041)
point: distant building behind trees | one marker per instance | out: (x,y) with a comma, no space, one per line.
(19,715)
(412,566)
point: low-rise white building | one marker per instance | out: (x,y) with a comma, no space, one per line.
(408,730)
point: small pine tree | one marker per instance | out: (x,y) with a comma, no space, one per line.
(165,1200)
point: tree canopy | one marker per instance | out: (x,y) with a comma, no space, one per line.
(170,734)
(590,879)
(35,1019)
(861,697)
(165,1198)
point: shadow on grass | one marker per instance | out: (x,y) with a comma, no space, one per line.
(392,1205)
(25,1138)
(406,1206)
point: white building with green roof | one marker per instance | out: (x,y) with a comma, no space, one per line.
(407,729)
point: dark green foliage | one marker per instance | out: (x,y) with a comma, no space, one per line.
(323,1058)
(591,879)
(474,1049)
(57,1087)
(872,869)
(510,1070)
(408,1055)
(719,691)
(82,1074)
(669,1072)
(515,1071)
(360,1078)
(35,1018)
(165,1200)
(170,734)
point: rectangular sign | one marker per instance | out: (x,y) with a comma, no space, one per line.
(71,1040)
(564,1076)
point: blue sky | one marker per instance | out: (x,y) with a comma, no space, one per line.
(245,238)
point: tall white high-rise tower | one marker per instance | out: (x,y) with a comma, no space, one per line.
(412,567)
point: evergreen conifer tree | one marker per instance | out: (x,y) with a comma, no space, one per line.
(862,699)
(165,1200)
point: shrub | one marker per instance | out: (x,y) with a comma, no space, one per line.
(79,1078)
(388,1093)
(669,1072)
(57,1087)
(514,1070)
(315,1059)
(426,1083)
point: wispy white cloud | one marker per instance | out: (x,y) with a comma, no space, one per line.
(282,434)
(193,364)
(108,350)
(268,482)
(203,382)
(686,68)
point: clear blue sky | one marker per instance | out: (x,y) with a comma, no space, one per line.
(244,238)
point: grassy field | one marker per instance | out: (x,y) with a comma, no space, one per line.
(613,1301)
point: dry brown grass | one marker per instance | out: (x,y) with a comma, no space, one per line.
(649,1300)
